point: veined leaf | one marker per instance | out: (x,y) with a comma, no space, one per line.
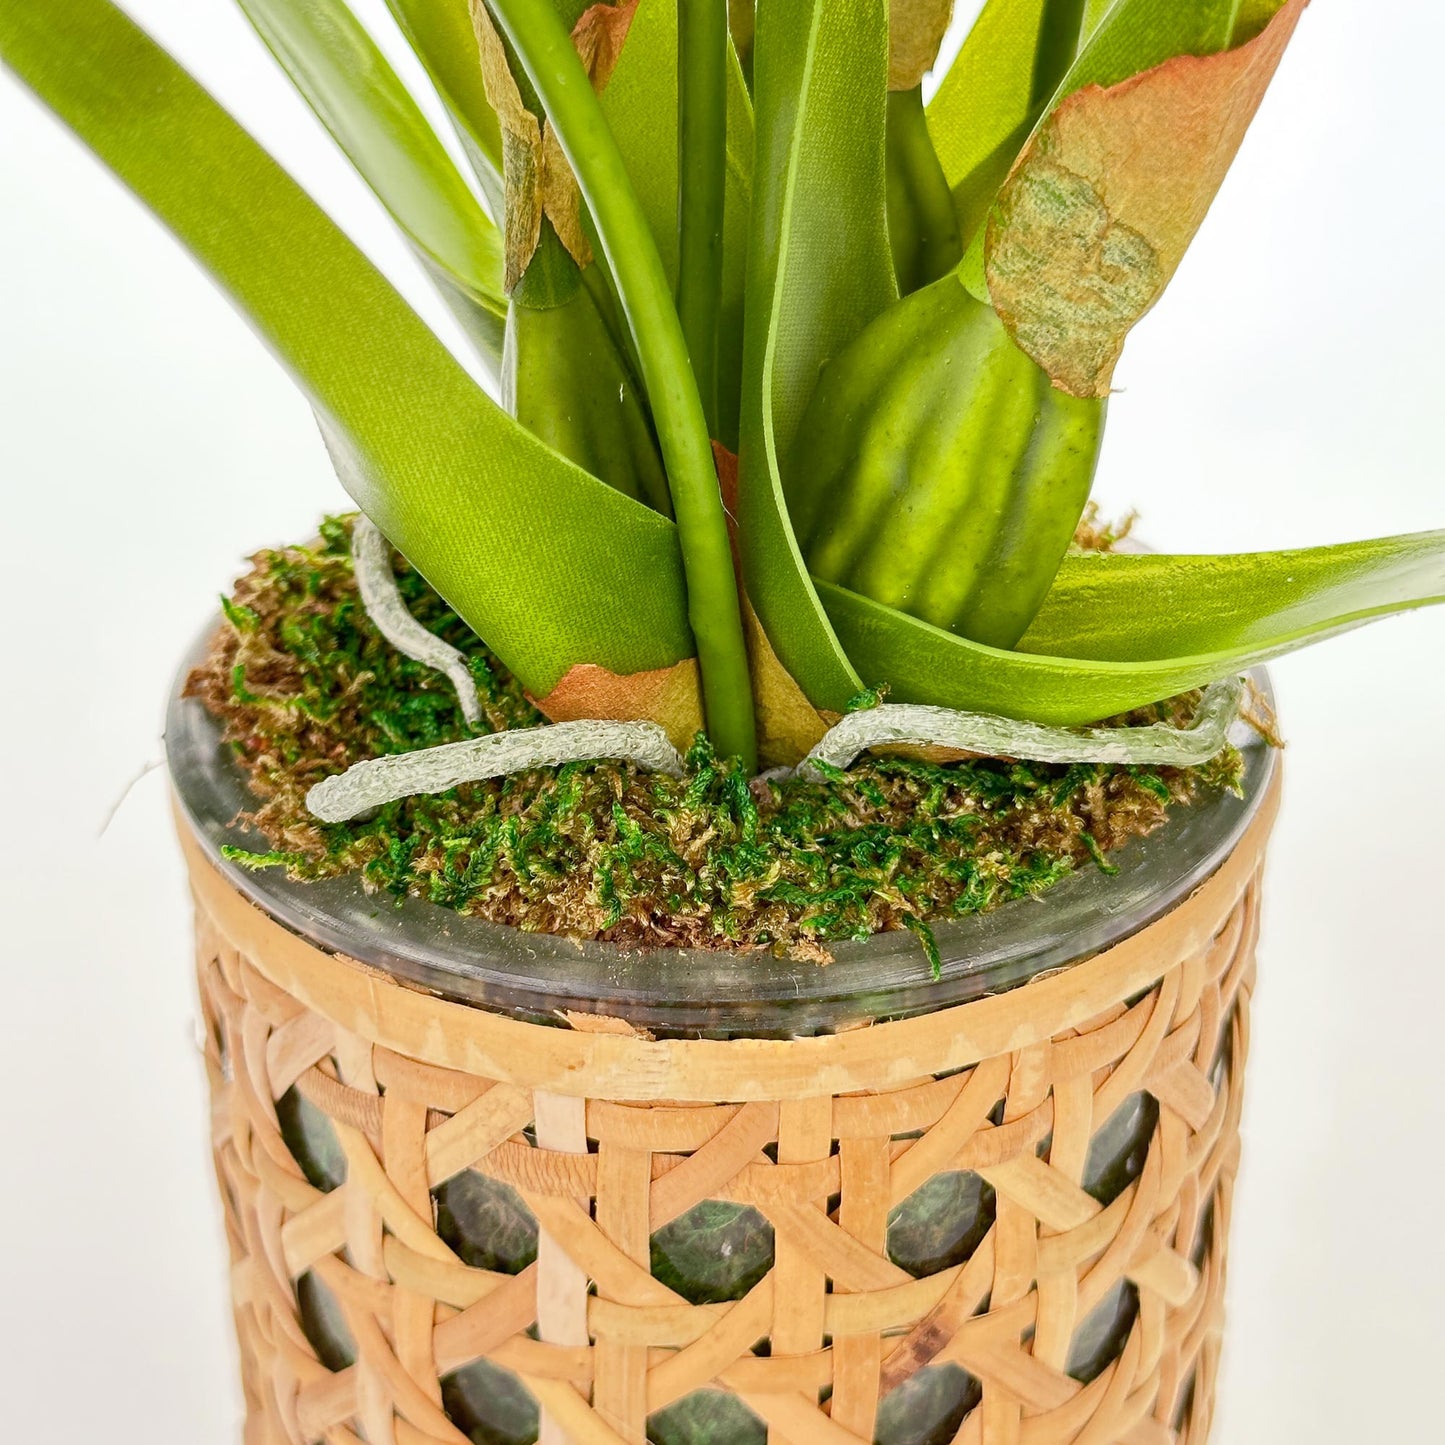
(1122,631)
(552,567)
(640,102)
(441,36)
(1121,607)
(819,269)
(360,99)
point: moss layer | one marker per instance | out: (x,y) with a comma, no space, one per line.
(305,686)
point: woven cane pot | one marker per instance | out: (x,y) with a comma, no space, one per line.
(494,1188)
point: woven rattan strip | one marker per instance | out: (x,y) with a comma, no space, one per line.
(605,1142)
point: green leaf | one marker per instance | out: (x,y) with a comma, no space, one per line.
(1124,608)
(987,104)
(1136,35)
(640,102)
(361,100)
(548,564)
(820,269)
(441,36)
(1122,631)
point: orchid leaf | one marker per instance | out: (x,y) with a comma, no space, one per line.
(441,36)
(359,98)
(1017,63)
(640,101)
(1120,607)
(989,101)
(553,568)
(1122,631)
(819,269)
(1112,186)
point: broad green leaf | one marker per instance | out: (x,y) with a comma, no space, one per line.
(819,269)
(1136,35)
(640,103)
(360,99)
(1122,631)
(1120,607)
(441,36)
(552,567)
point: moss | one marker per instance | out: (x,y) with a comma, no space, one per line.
(305,686)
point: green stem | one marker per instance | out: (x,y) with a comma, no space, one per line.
(1060,31)
(702,55)
(546,52)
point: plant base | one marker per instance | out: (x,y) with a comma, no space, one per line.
(449,1225)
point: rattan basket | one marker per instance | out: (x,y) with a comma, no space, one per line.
(607,1136)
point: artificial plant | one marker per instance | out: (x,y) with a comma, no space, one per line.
(803,382)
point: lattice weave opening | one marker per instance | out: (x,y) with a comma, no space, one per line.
(1004,1223)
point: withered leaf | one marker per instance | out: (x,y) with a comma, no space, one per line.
(599,35)
(537,179)
(915,31)
(1102,205)
(562,199)
(670,696)
(523,162)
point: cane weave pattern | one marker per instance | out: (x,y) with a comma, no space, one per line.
(602,1345)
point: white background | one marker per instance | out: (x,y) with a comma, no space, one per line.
(1287,392)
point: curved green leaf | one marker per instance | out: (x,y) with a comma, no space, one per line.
(552,567)
(441,37)
(1123,631)
(820,267)
(360,99)
(1123,608)
(987,104)
(640,102)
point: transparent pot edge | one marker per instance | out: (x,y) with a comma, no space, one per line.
(700,992)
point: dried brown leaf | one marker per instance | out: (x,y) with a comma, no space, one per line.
(671,696)
(599,35)
(1105,199)
(915,31)
(523,160)
(562,199)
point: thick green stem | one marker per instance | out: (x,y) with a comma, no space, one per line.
(702,57)
(546,52)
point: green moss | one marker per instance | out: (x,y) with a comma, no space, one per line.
(306,686)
